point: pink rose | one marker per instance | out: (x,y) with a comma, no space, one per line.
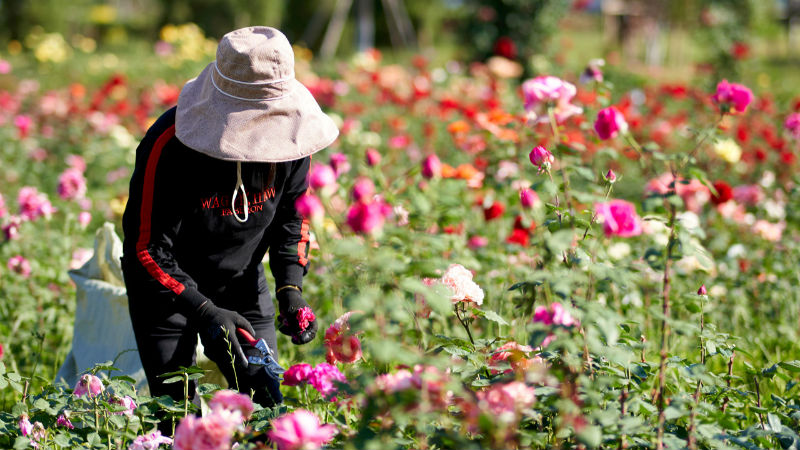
(211,432)
(11,228)
(555,314)
(297,374)
(19,265)
(125,402)
(476,242)
(748,194)
(339,163)
(300,430)
(541,158)
(792,125)
(732,98)
(151,441)
(506,401)
(363,190)
(71,184)
(401,380)
(611,177)
(544,92)
(88,385)
(84,218)
(62,421)
(610,122)
(322,177)
(33,204)
(232,401)
(309,205)
(76,162)
(25,425)
(528,198)
(23,124)
(367,218)
(304,317)
(322,378)
(431,167)
(373,157)
(514,353)
(3,210)
(619,218)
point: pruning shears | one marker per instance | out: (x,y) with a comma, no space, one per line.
(267,358)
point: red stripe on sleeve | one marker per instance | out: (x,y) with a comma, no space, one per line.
(301,246)
(145,216)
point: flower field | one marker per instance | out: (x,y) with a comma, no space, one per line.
(554,262)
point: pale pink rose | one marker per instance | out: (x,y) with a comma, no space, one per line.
(792,125)
(342,345)
(693,193)
(528,198)
(3,210)
(309,205)
(459,280)
(151,441)
(433,385)
(38,434)
(610,122)
(340,163)
(71,184)
(25,425)
(297,374)
(476,242)
(321,177)
(506,170)
(84,218)
(373,157)
(506,401)
(545,92)
(399,142)
(38,154)
(322,378)
(62,421)
(431,167)
(401,380)
(19,265)
(619,218)
(514,353)
(732,210)
(89,385)
(76,162)
(541,158)
(229,400)
(300,430)
(125,402)
(5,67)
(363,190)
(555,314)
(748,194)
(211,432)
(304,317)
(769,231)
(732,98)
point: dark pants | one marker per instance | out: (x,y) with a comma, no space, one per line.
(167,339)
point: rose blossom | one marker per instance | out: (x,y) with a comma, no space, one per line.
(541,158)
(71,184)
(544,92)
(322,177)
(693,192)
(702,290)
(33,204)
(297,374)
(62,421)
(18,264)
(3,210)
(554,315)
(309,205)
(610,176)
(25,425)
(732,98)
(229,400)
(341,344)
(459,280)
(367,217)
(23,124)
(88,385)
(431,167)
(528,198)
(322,379)
(512,352)
(610,122)
(150,441)
(127,403)
(593,72)
(476,242)
(363,190)
(213,431)
(300,430)
(339,163)
(505,401)
(619,218)
(792,125)
(373,157)
(11,228)
(304,317)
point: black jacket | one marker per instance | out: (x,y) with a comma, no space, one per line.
(182,240)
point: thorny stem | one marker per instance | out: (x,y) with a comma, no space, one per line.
(758,402)
(728,381)
(557,135)
(185,394)
(696,396)
(665,330)
(464,323)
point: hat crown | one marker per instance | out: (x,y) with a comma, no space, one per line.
(255,55)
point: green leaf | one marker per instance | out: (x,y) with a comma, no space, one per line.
(93,439)
(61,439)
(173,380)
(2,368)
(591,436)
(791,366)
(494,317)
(774,422)
(21,443)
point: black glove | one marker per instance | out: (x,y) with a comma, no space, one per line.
(220,324)
(290,301)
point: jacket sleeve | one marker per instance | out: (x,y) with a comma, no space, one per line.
(289,231)
(151,222)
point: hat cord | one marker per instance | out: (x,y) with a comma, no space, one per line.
(251,83)
(239,185)
(277,97)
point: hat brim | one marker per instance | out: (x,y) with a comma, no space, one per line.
(272,130)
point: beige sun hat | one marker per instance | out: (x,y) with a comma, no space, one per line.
(248,106)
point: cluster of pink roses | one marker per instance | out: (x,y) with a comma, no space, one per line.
(322,377)
(229,411)
(429,381)
(300,430)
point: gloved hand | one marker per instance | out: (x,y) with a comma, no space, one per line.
(221,324)
(296,318)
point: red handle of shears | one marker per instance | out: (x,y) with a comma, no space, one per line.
(253,341)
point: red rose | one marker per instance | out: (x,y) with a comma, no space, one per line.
(496,210)
(724,193)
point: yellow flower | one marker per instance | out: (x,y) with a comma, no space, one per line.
(103,14)
(728,150)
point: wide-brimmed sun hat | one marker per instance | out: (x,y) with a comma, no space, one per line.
(248,106)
